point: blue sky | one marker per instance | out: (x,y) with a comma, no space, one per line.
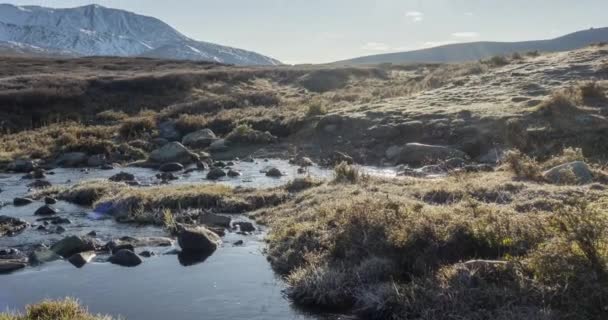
(301,31)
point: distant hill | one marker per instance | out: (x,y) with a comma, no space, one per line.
(460,52)
(94,30)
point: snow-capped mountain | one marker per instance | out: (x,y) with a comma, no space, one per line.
(96,30)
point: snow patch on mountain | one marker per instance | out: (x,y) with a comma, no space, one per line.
(96,30)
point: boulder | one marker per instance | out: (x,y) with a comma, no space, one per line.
(166,176)
(173,152)
(245,226)
(417,153)
(22,165)
(7,266)
(384,131)
(171,167)
(454,163)
(124,246)
(218,146)
(73,244)
(125,258)
(46,210)
(199,139)
(213,219)
(122,177)
(274,172)
(147,254)
(82,258)
(10,226)
(72,159)
(215,173)
(304,162)
(18,202)
(96,160)
(576,172)
(198,240)
(14,254)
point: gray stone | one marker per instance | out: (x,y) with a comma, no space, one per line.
(245,226)
(417,153)
(199,139)
(383,131)
(233,173)
(122,177)
(454,163)
(43,255)
(39,184)
(82,258)
(18,202)
(274,172)
(218,146)
(124,246)
(171,167)
(97,160)
(72,159)
(22,165)
(215,173)
(125,258)
(198,240)
(46,210)
(304,162)
(73,244)
(214,220)
(576,172)
(7,266)
(338,157)
(173,152)
(49,200)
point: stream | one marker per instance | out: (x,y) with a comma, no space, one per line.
(236,282)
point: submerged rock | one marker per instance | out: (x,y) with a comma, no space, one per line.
(199,139)
(233,173)
(171,167)
(73,244)
(215,173)
(39,184)
(218,146)
(43,255)
(577,172)
(173,152)
(82,258)
(125,258)
(50,200)
(198,240)
(10,226)
(46,210)
(97,160)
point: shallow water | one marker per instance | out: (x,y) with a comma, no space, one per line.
(234,283)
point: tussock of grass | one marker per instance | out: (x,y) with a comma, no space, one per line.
(246,134)
(345,173)
(375,248)
(138,127)
(68,309)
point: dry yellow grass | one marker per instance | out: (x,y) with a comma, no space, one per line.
(68,309)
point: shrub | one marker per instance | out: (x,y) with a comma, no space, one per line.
(246,134)
(111,116)
(137,127)
(316,109)
(560,104)
(591,92)
(68,309)
(497,61)
(523,166)
(345,173)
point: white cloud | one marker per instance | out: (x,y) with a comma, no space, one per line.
(465,34)
(468,14)
(415,16)
(430,44)
(376,46)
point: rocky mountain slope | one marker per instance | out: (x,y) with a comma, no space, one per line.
(98,31)
(479,50)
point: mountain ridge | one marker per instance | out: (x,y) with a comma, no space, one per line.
(469,51)
(95,30)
